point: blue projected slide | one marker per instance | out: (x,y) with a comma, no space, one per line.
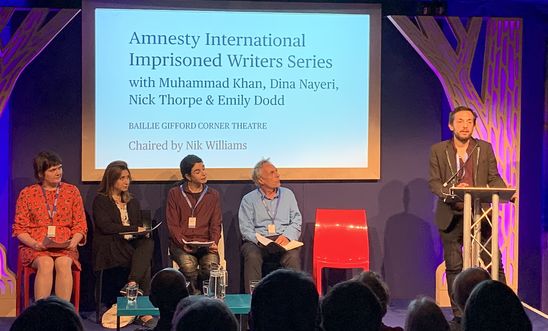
(232,87)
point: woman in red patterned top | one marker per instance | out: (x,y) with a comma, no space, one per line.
(54,210)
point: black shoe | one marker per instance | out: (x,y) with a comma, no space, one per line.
(455,324)
(148,325)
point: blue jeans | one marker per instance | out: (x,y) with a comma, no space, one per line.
(195,266)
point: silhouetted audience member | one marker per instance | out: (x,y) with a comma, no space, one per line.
(375,282)
(284,300)
(200,313)
(492,306)
(48,314)
(167,288)
(465,282)
(423,314)
(351,306)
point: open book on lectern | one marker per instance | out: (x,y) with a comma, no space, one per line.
(274,248)
(484,194)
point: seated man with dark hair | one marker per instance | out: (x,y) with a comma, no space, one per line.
(380,289)
(49,314)
(284,300)
(423,314)
(167,288)
(465,282)
(351,306)
(200,313)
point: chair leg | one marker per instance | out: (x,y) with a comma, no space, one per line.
(318,277)
(76,290)
(18,291)
(98,295)
(26,286)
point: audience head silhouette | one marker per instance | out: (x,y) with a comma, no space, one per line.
(199,313)
(465,282)
(350,306)
(167,288)
(423,314)
(374,281)
(492,306)
(49,314)
(284,300)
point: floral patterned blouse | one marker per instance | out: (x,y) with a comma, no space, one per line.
(32,217)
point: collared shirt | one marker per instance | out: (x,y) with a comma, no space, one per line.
(257,212)
(466,174)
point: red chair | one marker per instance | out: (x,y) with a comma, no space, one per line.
(23,280)
(340,241)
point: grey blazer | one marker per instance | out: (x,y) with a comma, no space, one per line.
(443,165)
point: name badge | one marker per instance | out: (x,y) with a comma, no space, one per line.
(51,231)
(192,222)
(271,229)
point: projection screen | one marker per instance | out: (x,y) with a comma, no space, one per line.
(233,83)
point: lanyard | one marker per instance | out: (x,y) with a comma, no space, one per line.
(263,198)
(53,210)
(204,191)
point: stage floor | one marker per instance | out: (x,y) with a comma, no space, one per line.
(394,317)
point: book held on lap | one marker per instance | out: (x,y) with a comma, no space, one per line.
(274,248)
(49,244)
(198,243)
(140,233)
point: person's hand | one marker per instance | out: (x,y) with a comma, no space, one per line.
(282,240)
(213,248)
(514,198)
(72,245)
(74,241)
(463,185)
(188,248)
(141,229)
(38,246)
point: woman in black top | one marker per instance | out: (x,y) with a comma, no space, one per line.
(116,211)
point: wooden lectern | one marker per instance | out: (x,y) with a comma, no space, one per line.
(472,243)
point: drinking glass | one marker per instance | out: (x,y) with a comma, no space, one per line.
(132,292)
(205,288)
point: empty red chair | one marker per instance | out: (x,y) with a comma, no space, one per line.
(23,280)
(340,241)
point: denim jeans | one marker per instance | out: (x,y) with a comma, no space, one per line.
(195,266)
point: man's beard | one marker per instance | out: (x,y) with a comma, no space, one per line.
(461,139)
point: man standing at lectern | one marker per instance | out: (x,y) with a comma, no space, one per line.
(460,161)
(272,211)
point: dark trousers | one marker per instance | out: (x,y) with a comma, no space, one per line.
(140,263)
(452,254)
(253,261)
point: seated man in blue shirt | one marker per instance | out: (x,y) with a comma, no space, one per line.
(272,211)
